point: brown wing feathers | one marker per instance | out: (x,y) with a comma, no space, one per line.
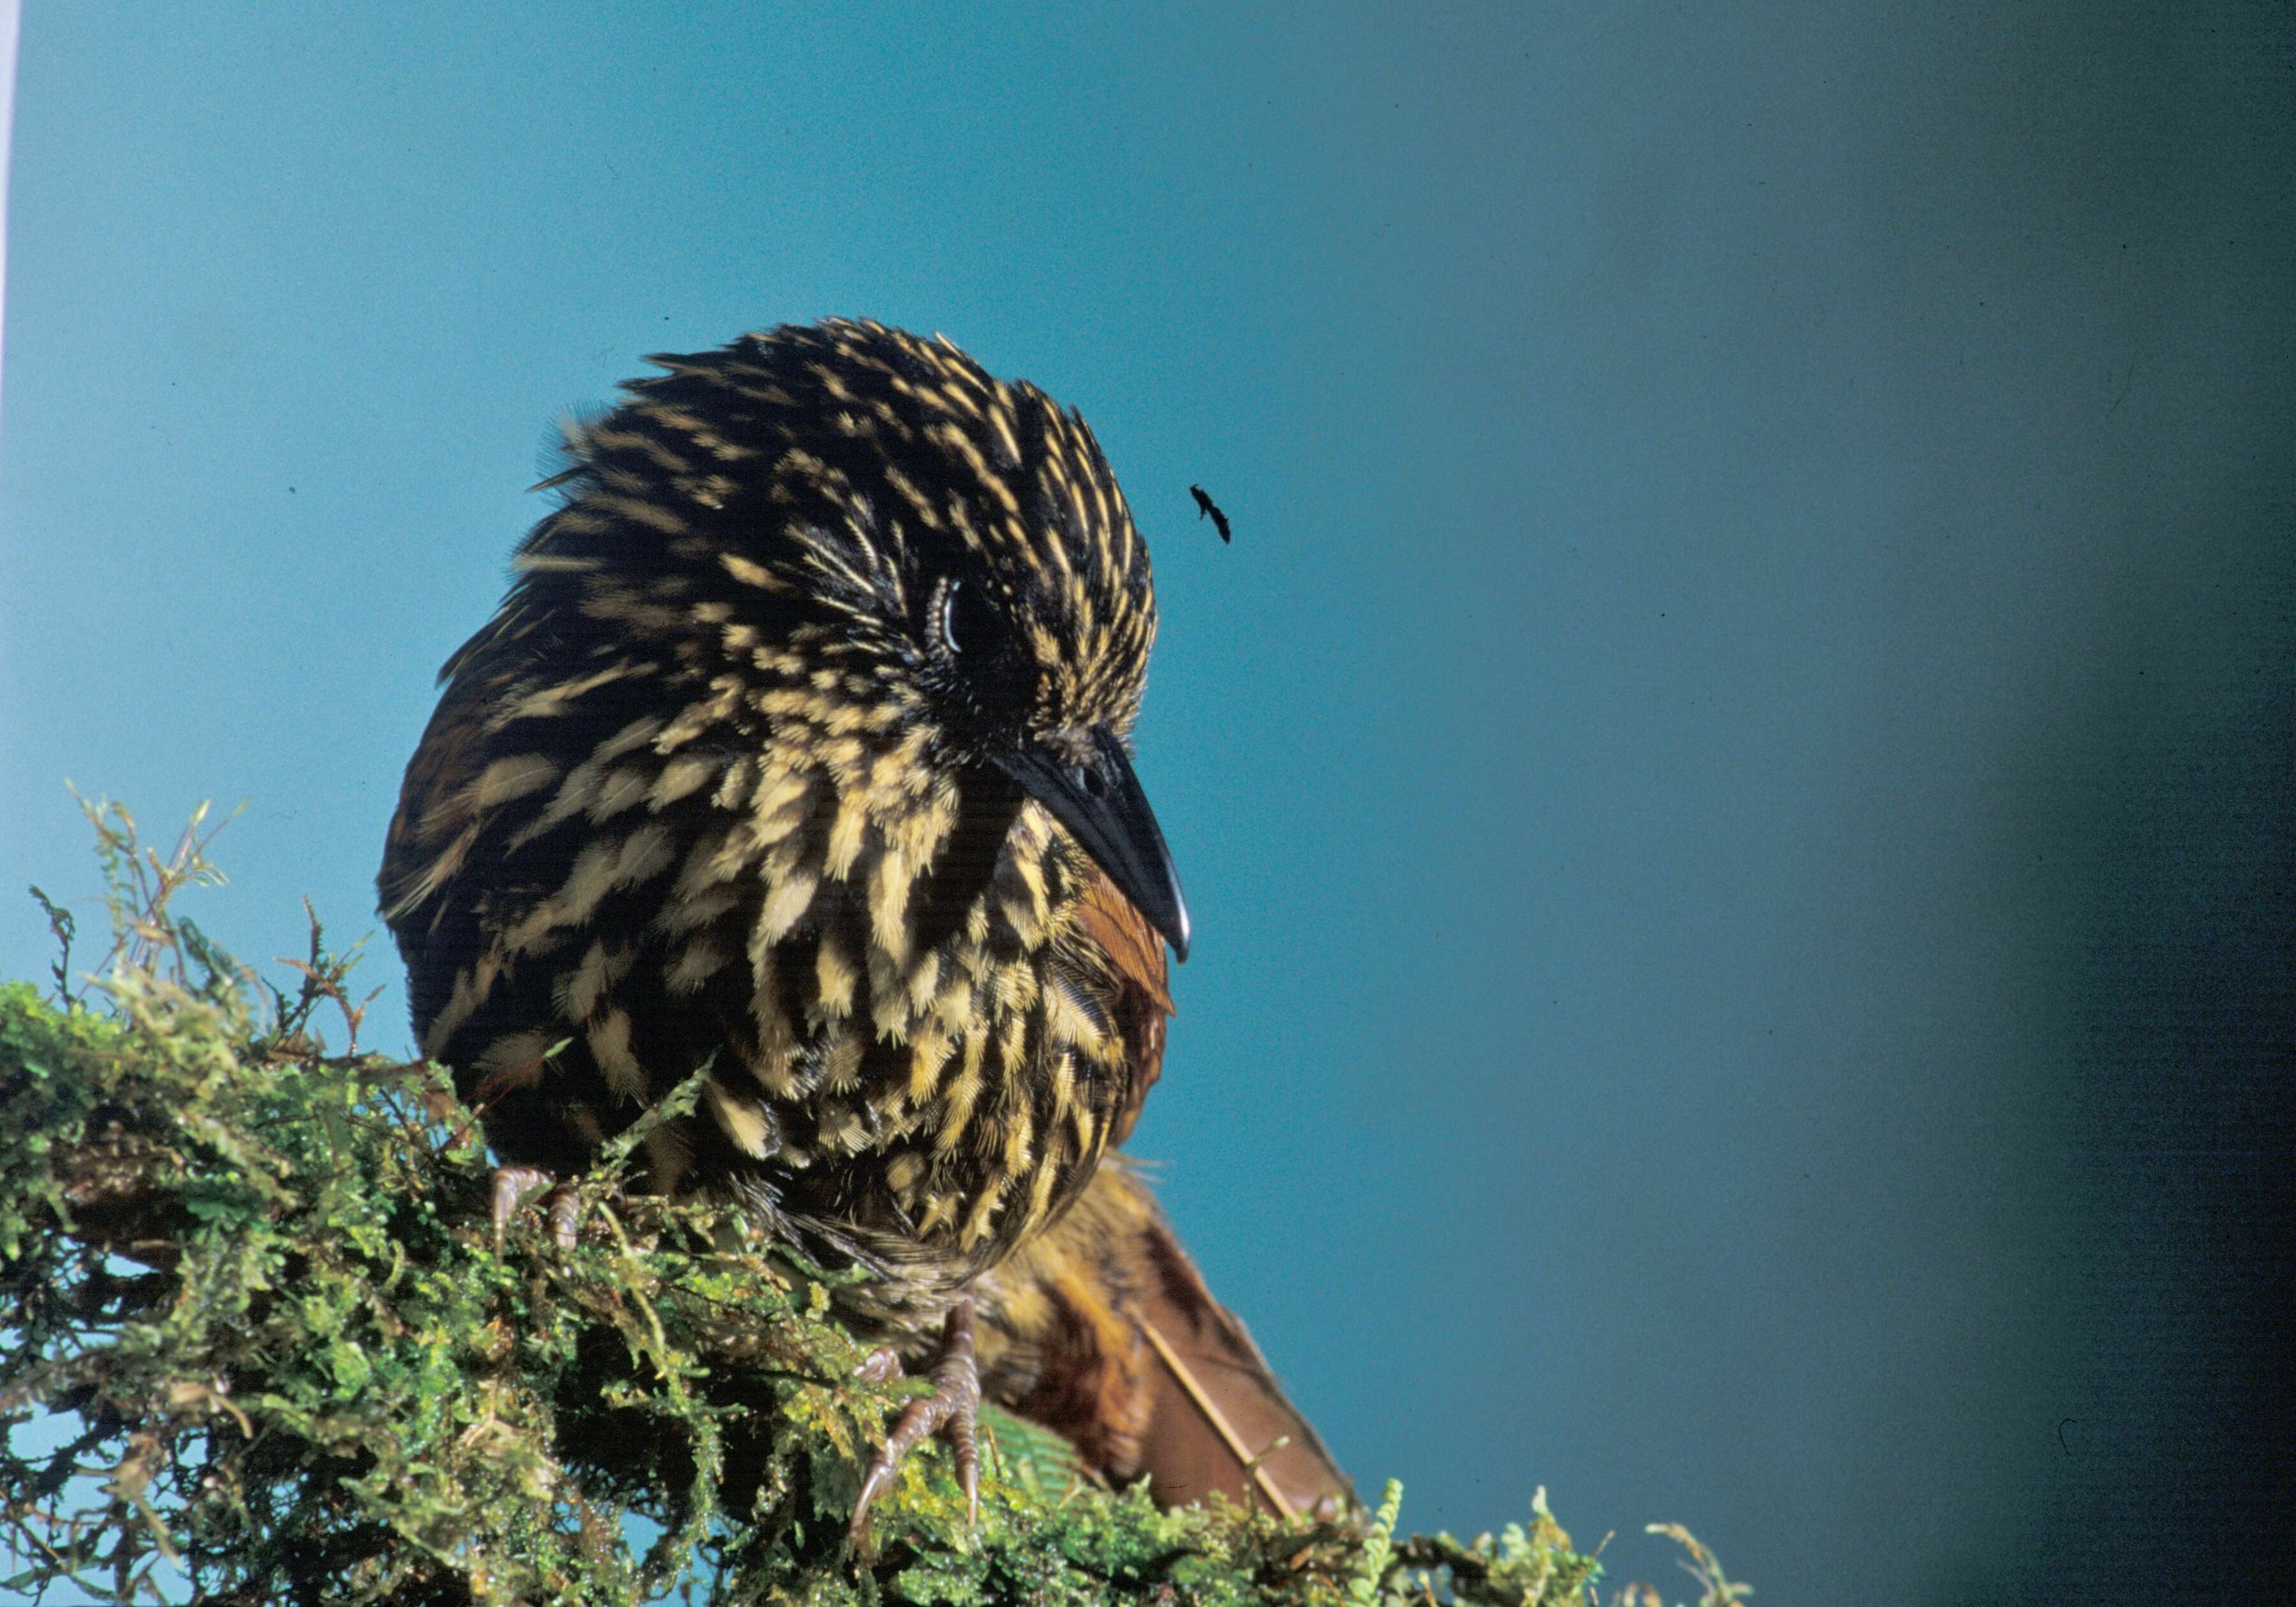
(1103,1330)
(1135,956)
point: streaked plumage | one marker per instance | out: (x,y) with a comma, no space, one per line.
(795,752)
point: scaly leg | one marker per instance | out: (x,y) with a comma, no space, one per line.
(513,1183)
(950,1411)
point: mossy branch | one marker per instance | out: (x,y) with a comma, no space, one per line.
(259,1344)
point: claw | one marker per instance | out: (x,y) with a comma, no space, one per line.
(951,1411)
(514,1183)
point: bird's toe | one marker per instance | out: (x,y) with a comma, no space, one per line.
(513,1183)
(952,1411)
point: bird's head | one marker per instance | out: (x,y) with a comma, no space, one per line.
(872,570)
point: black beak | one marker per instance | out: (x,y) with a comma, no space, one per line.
(1101,805)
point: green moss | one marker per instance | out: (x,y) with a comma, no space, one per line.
(259,1344)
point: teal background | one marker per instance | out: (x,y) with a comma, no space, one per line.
(1735,785)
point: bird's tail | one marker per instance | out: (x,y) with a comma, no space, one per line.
(1103,1330)
(1220,1420)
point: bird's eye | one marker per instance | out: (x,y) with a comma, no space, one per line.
(949,616)
(969,622)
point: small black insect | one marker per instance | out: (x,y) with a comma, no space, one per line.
(1205,504)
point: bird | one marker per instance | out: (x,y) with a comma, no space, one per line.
(796,760)
(1205,504)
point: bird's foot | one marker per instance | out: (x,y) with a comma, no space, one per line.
(514,1183)
(951,1411)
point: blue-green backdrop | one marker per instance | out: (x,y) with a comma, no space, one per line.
(1734,783)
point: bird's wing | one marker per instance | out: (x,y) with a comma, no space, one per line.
(439,812)
(1135,957)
